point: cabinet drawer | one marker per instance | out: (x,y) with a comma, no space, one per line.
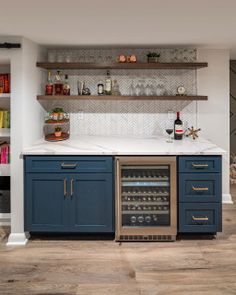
(68,164)
(200,164)
(201,218)
(200,187)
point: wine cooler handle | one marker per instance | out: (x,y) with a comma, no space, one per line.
(69,165)
(65,187)
(205,218)
(71,187)
(199,189)
(199,165)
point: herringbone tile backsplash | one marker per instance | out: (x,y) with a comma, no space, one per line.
(105,117)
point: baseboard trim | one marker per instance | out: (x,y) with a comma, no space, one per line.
(17,239)
(227,199)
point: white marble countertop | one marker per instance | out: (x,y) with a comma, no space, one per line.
(119,145)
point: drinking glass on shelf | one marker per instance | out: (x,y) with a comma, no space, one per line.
(148,90)
(51,56)
(91,57)
(68,56)
(60,56)
(100,58)
(137,89)
(132,89)
(141,87)
(169,130)
(108,59)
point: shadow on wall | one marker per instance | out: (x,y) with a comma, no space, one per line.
(119,107)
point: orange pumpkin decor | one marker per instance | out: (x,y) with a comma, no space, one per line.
(121,58)
(129,58)
(133,58)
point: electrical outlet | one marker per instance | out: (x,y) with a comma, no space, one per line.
(80,115)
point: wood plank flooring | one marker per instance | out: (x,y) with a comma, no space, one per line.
(58,266)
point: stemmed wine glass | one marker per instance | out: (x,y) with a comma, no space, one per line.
(169,128)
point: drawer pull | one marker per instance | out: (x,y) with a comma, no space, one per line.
(65,185)
(200,189)
(199,165)
(68,165)
(71,187)
(200,218)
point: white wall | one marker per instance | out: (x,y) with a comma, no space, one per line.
(213,115)
(26,118)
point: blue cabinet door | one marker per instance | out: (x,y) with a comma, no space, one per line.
(46,209)
(91,203)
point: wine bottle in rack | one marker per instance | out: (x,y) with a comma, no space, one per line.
(178,128)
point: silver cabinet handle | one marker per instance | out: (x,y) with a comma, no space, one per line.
(65,187)
(199,189)
(205,218)
(71,187)
(69,165)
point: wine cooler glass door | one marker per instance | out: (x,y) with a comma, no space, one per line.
(147,193)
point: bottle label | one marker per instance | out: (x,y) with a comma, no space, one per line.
(179,129)
(49,89)
(100,89)
(108,86)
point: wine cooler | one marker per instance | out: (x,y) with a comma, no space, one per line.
(146,199)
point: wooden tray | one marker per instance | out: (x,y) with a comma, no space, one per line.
(54,122)
(52,137)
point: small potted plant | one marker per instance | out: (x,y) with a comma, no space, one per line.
(57,114)
(57,131)
(153,57)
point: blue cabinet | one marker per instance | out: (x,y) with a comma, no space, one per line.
(199,194)
(45,203)
(91,203)
(57,200)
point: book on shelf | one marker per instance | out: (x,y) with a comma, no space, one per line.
(4,119)
(4,152)
(4,83)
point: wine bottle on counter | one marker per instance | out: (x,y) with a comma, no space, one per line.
(178,128)
(108,84)
(66,86)
(49,85)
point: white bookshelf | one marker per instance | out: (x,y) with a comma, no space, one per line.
(5,104)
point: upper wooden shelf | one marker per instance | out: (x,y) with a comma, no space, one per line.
(122,97)
(167,65)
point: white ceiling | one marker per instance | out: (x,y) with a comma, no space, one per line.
(200,23)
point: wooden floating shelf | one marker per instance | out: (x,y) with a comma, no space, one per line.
(122,97)
(75,65)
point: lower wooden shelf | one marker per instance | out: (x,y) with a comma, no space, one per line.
(121,97)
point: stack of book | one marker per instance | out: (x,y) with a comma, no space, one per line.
(4,153)
(4,83)
(4,119)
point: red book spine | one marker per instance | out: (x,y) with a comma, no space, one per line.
(1,83)
(6,83)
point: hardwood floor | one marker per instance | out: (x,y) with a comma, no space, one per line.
(187,266)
